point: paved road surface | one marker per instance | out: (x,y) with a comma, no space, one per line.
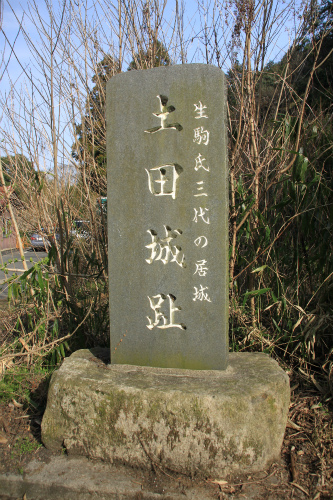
(18,266)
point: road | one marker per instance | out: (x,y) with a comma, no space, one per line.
(15,267)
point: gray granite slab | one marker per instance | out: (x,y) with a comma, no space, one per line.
(168,217)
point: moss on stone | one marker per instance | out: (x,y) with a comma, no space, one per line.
(204,422)
(107,414)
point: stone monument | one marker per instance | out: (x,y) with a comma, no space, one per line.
(170,397)
(168,217)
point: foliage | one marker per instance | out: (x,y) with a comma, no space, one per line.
(50,322)
(15,168)
(314,48)
(20,382)
(157,55)
(24,446)
(281,190)
(89,148)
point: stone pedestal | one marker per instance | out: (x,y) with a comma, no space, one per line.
(195,422)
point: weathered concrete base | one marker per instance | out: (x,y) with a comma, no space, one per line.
(78,478)
(193,422)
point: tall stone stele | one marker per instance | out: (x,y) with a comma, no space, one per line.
(168,217)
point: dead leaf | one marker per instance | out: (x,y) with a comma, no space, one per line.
(293,466)
(220,482)
(18,405)
(4,365)
(292,425)
(25,345)
(3,440)
(300,488)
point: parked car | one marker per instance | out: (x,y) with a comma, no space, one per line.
(38,242)
(41,241)
(81,229)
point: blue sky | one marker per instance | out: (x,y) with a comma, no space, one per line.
(14,12)
(194,24)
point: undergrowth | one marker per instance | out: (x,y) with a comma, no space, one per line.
(44,322)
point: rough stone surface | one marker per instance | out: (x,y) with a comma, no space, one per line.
(194,422)
(168,287)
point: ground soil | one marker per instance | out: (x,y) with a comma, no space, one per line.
(305,468)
